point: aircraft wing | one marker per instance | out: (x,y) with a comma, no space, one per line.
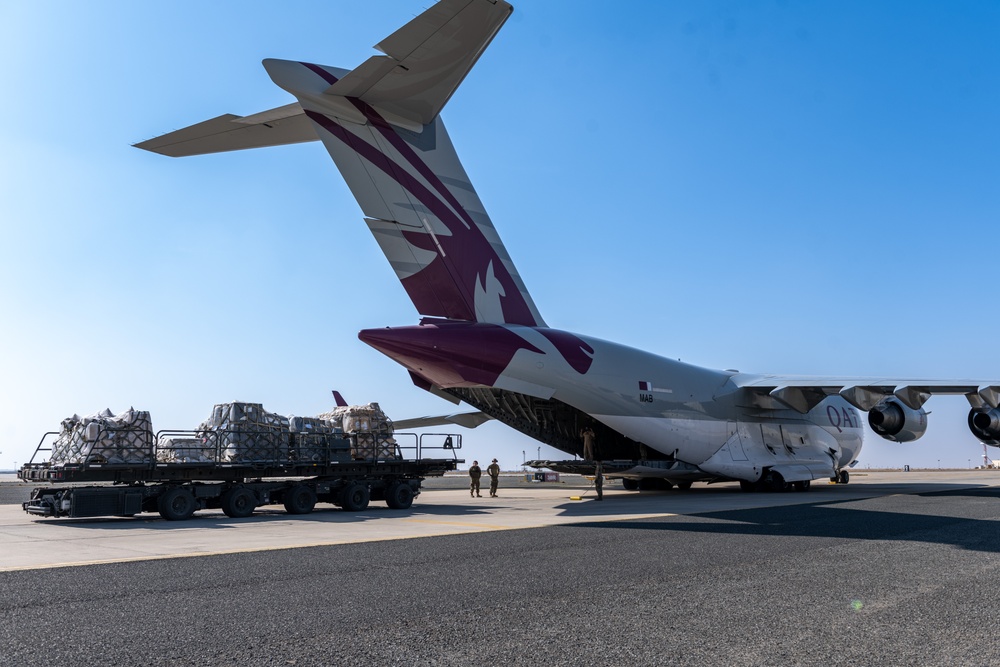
(466,419)
(802,393)
(228,132)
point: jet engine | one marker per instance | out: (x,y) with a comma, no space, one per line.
(894,421)
(985,425)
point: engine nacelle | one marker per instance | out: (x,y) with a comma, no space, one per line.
(985,425)
(893,420)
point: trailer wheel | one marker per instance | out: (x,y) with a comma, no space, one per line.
(300,499)
(354,497)
(238,502)
(176,504)
(399,496)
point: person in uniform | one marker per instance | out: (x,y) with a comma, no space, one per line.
(599,481)
(587,434)
(475,472)
(494,472)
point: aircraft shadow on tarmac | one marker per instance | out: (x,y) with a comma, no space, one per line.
(828,518)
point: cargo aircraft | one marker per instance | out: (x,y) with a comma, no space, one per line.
(482,340)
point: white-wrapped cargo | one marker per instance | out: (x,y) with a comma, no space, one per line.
(246,433)
(171,449)
(105,438)
(371,428)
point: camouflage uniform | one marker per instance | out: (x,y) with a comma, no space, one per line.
(475,472)
(494,473)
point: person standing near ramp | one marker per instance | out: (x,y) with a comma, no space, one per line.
(588,436)
(494,472)
(475,472)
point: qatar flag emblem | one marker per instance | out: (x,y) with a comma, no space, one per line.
(645,386)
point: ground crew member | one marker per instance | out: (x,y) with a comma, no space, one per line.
(587,434)
(494,473)
(475,472)
(599,481)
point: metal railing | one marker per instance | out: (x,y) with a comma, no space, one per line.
(237,446)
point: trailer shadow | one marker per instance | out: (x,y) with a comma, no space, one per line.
(215,519)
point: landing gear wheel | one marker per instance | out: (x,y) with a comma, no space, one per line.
(238,502)
(354,497)
(176,504)
(630,484)
(300,499)
(683,486)
(801,486)
(747,487)
(775,482)
(399,496)
(844,477)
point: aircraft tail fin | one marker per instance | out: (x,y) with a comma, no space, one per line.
(380,124)
(339,400)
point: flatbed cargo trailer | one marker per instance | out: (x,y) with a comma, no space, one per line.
(297,470)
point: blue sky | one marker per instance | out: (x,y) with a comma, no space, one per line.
(788,187)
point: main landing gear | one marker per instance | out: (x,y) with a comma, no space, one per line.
(843,477)
(653,484)
(773,481)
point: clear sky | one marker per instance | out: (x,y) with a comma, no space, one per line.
(787,187)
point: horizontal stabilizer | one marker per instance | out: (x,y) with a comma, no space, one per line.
(466,419)
(276,127)
(428,58)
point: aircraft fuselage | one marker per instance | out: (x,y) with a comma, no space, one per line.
(680,412)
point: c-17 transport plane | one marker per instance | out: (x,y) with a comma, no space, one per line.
(482,340)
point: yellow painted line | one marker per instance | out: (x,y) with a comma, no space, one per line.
(464,524)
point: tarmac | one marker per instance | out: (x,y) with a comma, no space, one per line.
(891,569)
(443,508)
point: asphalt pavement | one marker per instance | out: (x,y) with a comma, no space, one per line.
(899,578)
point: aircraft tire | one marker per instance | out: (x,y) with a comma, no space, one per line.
(630,484)
(648,484)
(801,486)
(748,487)
(683,486)
(775,482)
(844,477)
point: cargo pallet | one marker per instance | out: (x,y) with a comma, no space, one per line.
(296,471)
